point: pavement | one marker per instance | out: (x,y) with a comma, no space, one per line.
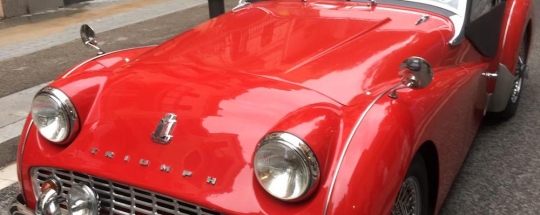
(500,175)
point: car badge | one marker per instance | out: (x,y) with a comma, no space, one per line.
(162,134)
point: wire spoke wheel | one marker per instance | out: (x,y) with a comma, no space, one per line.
(409,200)
(519,78)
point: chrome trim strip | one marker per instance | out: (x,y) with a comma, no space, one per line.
(349,139)
(19,162)
(99,56)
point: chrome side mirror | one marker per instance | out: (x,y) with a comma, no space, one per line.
(88,37)
(241,4)
(414,73)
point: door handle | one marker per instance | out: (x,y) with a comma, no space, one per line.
(489,75)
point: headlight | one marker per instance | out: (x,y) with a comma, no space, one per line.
(82,200)
(54,115)
(286,167)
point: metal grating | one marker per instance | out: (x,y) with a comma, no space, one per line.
(119,199)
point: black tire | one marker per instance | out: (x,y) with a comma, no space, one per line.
(513,101)
(416,172)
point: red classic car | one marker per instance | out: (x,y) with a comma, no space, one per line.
(278,107)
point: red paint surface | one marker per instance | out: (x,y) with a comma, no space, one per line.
(306,68)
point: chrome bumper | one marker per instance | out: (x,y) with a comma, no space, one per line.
(18,207)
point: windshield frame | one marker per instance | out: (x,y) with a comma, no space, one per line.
(460,10)
(458,16)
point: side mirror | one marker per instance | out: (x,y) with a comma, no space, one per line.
(241,4)
(414,73)
(88,37)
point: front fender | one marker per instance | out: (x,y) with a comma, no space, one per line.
(518,16)
(393,130)
(376,161)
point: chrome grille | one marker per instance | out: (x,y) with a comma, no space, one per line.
(117,198)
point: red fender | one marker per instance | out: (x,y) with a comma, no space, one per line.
(371,174)
(392,131)
(519,16)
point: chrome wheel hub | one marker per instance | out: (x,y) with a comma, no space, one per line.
(519,79)
(516,90)
(409,199)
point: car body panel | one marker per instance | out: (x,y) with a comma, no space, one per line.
(518,16)
(319,69)
(330,48)
(433,114)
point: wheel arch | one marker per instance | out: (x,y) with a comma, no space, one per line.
(518,24)
(528,37)
(429,153)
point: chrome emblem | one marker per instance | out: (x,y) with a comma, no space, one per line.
(187,173)
(164,129)
(211,180)
(144,162)
(163,167)
(109,154)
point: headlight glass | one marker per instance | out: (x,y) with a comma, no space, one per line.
(286,167)
(82,200)
(54,115)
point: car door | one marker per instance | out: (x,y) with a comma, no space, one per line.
(483,30)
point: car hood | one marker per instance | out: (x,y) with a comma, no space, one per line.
(340,49)
(221,117)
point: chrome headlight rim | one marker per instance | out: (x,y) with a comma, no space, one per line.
(69,109)
(307,155)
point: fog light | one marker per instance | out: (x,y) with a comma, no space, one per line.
(82,200)
(47,202)
(50,184)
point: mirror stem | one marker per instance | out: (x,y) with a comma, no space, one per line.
(100,52)
(394,89)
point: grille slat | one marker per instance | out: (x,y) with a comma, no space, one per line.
(120,199)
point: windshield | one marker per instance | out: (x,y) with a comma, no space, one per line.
(455,6)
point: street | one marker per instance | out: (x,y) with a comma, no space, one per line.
(501,174)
